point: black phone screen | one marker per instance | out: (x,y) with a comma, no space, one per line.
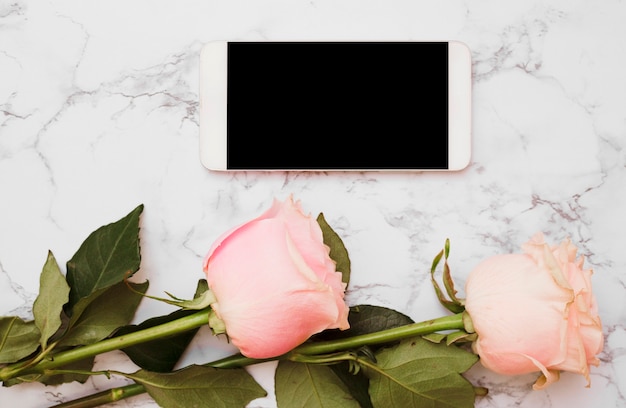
(334,105)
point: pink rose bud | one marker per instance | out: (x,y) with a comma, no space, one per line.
(535,312)
(275,283)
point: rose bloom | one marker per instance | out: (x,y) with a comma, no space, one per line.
(535,312)
(275,283)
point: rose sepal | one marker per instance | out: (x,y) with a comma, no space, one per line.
(452,302)
(201,301)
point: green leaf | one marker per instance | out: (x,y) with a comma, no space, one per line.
(18,339)
(310,386)
(363,319)
(53,295)
(356,383)
(108,256)
(114,308)
(200,386)
(418,373)
(338,251)
(161,355)
(366,319)
(67,376)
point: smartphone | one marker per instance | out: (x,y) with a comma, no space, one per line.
(345,106)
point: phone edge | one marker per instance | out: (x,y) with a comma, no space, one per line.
(213,105)
(459,105)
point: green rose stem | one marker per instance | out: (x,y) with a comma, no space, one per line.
(105,397)
(49,363)
(452,322)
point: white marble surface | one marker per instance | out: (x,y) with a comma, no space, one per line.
(99,112)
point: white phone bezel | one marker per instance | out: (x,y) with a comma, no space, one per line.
(213,104)
(213,108)
(459,106)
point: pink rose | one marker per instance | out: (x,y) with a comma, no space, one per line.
(275,283)
(535,312)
